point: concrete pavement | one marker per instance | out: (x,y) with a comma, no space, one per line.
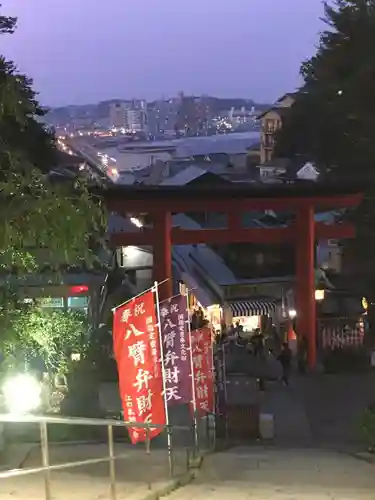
(292,427)
(334,406)
(259,473)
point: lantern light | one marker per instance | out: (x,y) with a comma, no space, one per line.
(319,294)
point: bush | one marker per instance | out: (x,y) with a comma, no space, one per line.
(346,359)
(82,398)
(368,427)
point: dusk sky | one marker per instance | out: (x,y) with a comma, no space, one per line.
(83,51)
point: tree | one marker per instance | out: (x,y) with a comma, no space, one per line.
(50,336)
(36,213)
(332,122)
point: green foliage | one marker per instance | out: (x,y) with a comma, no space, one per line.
(42,224)
(51,336)
(333,120)
(367,426)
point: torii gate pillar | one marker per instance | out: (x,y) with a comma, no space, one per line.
(162,253)
(305,286)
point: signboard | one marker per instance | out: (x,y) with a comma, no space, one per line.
(53,302)
(259,290)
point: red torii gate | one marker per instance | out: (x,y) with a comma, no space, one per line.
(160,202)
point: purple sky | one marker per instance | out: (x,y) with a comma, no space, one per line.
(82,51)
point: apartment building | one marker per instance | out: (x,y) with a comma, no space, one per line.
(271,121)
(130,115)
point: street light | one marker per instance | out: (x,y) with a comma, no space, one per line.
(22,394)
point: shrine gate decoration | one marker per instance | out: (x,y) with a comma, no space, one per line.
(137,352)
(303,199)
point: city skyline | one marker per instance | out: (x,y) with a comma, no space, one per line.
(165,99)
(154,49)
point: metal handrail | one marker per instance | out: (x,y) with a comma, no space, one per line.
(36,419)
(46,468)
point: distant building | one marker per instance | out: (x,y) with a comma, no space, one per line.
(117,114)
(284,169)
(194,114)
(162,117)
(130,115)
(241,116)
(271,120)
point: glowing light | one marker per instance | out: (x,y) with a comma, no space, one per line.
(292,313)
(319,294)
(213,306)
(22,394)
(138,223)
(77,289)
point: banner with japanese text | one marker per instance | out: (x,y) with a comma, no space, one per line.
(220,380)
(137,352)
(203,370)
(173,326)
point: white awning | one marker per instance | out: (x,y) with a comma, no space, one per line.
(254,307)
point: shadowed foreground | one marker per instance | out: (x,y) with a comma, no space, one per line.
(255,473)
(137,475)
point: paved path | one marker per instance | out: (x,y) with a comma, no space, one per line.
(137,474)
(320,409)
(292,427)
(247,473)
(334,405)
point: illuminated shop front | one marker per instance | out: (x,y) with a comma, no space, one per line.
(215,317)
(249,323)
(254,314)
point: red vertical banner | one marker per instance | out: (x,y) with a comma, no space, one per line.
(137,352)
(203,370)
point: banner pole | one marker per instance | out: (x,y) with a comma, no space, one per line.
(214,381)
(169,298)
(225,391)
(169,434)
(194,400)
(138,295)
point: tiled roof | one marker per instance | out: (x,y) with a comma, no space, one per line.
(282,111)
(184,176)
(236,143)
